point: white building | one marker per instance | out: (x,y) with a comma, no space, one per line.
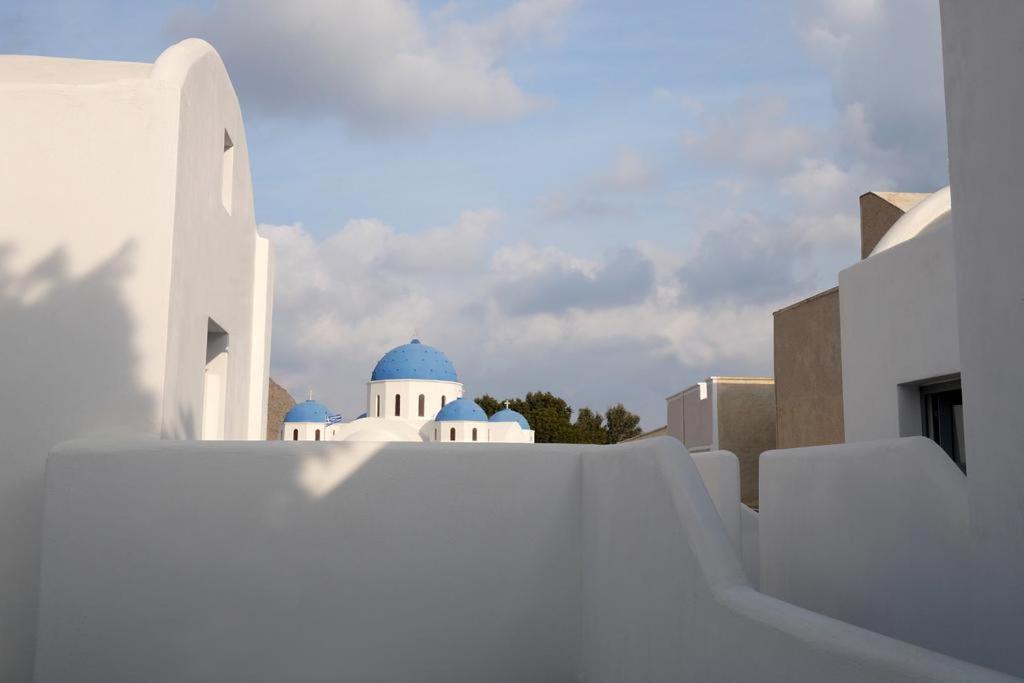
(414,394)
(900,341)
(185,560)
(134,290)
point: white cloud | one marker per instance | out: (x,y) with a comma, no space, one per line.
(513,318)
(885,64)
(375,63)
(605,194)
(751,134)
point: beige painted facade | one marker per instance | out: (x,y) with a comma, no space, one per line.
(809,372)
(736,414)
(878,212)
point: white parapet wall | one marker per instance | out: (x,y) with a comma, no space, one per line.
(875,533)
(426,562)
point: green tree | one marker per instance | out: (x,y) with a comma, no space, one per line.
(590,427)
(548,415)
(622,424)
(490,404)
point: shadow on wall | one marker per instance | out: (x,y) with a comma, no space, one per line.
(312,561)
(68,370)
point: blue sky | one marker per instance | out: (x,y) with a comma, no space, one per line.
(601,199)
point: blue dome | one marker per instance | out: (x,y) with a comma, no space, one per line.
(308,411)
(509,415)
(461,409)
(414,361)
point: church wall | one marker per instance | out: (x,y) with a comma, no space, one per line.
(110,266)
(410,390)
(87,175)
(215,253)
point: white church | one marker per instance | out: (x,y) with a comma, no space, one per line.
(413,395)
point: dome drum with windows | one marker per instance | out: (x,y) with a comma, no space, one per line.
(413,394)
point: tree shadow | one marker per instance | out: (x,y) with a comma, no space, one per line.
(68,369)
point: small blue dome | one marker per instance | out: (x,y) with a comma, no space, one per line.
(463,409)
(414,361)
(509,415)
(308,411)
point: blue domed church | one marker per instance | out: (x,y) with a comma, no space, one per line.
(414,394)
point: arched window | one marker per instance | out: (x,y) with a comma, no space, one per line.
(442,401)
(295,435)
(452,434)
(317,437)
(423,405)
(435,435)
(474,433)
(378,405)
(398,405)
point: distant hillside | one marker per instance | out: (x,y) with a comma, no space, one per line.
(279,403)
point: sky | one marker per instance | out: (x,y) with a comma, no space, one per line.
(602,199)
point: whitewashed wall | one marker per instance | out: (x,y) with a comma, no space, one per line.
(115,249)
(427,562)
(313,562)
(984,60)
(410,390)
(875,533)
(899,326)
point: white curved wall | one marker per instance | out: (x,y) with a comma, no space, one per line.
(337,561)
(875,533)
(115,250)
(410,391)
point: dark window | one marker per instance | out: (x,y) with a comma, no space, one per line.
(423,405)
(317,437)
(227,172)
(942,412)
(442,401)
(452,434)
(398,405)
(378,406)
(474,433)
(295,435)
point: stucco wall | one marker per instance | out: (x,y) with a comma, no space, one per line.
(746,425)
(691,418)
(317,562)
(665,597)
(809,372)
(899,327)
(427,562)
(409,391)
(85,230)
(984,59)
(874,533)
(215,253)
(110,263)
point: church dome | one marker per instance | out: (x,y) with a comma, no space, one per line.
(462,410)
(509,415)
(414,361)
(308,411)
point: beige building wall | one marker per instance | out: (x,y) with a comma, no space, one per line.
(878,212)
(746,425)
(727,413)
(809,372)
